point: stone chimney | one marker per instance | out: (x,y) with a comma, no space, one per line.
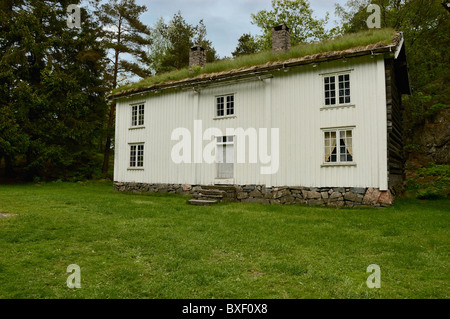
(281,38)
(197,56)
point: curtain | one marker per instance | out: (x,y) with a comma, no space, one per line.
(348,142)
(330,145)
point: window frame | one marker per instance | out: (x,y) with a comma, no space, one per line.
(136,121)
(338,146)
(337,89)
(137,158)
(225,106)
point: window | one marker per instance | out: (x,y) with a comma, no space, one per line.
(137,155)
(343,83)
(137,115)
(225,157)
(338,146)
(225,105)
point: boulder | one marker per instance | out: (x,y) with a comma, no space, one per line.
(386,198)
(371,196)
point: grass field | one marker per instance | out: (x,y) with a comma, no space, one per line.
(157,246)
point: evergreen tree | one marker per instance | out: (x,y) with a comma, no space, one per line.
(52,94)
(125,36)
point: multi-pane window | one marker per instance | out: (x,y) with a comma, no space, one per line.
(338,146)
(343,94)
(225,105)
(344,89)
(137,115)
(137,155)
(330,90)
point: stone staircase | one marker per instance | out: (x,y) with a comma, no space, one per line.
(208,195)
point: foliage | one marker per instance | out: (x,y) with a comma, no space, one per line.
(426,26)
(247,44)
(431,182)
(123,35)
(52,96)
(171,44)
(297,15)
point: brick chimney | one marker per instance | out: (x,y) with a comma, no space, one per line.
(197,56)
(281,38)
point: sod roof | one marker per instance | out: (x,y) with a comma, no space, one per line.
(352,45)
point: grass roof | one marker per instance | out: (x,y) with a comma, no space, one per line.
(375,37)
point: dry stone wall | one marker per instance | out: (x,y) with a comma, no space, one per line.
(324,196)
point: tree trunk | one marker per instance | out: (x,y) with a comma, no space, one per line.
(112,108)
(107,150)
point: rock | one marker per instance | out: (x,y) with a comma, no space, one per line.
(281,193)
(335,195)
(187,187)
(311,195)
(358,190)
(353,197)
(385,198)
(324,195)
(287,200)
(255,193)
(242,195)
(371,196)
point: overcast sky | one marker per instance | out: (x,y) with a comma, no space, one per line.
(225,20)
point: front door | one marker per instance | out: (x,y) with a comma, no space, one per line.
(225,160)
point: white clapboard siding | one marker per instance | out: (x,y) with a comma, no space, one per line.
(291,101)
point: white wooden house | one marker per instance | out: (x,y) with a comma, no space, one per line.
(337,115)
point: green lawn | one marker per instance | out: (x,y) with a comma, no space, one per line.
(157,246)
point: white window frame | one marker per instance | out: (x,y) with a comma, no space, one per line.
(134,164)
(338,146)
(337,89)
(225,106)
(135,115)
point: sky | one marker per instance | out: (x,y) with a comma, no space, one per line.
(225,20)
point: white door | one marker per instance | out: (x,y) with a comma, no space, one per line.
(225,160)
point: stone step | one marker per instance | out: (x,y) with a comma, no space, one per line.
(211,191)
(219,196)
(202,202)
(220,187)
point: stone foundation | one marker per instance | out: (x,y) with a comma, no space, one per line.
(324,196)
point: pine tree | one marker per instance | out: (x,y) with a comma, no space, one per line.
(124,35)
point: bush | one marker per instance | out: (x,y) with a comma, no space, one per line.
(431,193)
(431,182)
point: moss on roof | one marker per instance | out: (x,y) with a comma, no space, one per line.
(361,41)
